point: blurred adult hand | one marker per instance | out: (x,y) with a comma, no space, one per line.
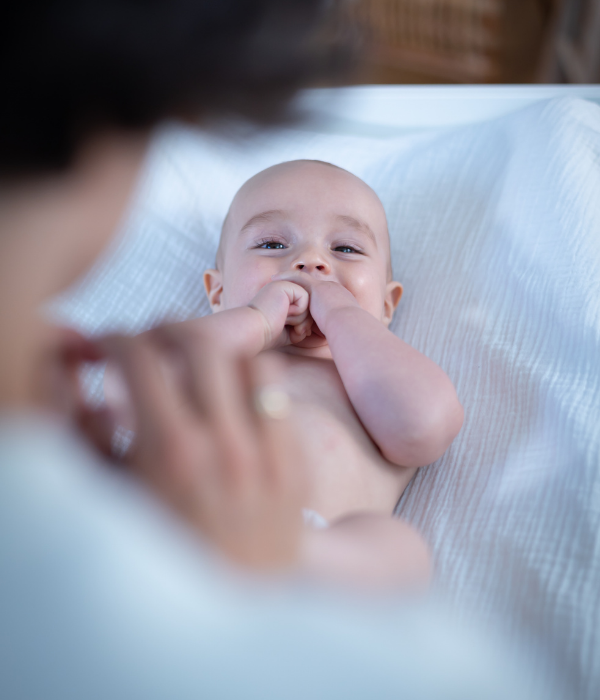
(58,386)
(214,441)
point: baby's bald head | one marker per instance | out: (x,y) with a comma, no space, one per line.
(291,187)
(310,217)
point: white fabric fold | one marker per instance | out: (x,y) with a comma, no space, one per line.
(495,232)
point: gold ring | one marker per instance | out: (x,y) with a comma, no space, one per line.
(273,401)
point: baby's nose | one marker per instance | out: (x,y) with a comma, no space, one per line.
(307,267)
(310,262)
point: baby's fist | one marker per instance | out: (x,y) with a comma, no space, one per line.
(283,306)
(325,295)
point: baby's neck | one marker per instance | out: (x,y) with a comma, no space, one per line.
(322,352)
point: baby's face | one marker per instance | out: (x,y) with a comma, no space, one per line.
(311,217)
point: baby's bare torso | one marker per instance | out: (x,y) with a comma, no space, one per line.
(346,469)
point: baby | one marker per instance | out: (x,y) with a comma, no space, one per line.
(303,267)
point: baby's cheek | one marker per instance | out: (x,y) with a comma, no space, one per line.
(239,290)
(369,294)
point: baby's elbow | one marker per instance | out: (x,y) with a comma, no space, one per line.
(450,421)
(428,436)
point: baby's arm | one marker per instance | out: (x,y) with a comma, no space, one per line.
(405,401)
(369,551)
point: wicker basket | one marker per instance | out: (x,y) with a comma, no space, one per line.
(462,40)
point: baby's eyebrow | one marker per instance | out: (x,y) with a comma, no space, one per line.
(262,218)
(357,225)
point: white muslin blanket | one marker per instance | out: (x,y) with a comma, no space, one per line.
(495,232)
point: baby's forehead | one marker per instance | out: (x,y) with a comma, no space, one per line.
(312,191)
(312,187)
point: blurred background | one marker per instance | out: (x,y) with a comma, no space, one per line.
(478,41)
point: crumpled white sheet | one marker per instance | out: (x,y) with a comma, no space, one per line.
(495,233)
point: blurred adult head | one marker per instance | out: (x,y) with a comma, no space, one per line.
(71,68)
(83,81)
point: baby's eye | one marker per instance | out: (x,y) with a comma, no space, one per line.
(271,245)
(345,249)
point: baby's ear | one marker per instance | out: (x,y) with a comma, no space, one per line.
(213,283)
(393,292)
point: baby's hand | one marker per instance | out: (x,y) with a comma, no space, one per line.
(325,296)
(284,307)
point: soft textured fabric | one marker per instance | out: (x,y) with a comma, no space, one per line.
(495,232)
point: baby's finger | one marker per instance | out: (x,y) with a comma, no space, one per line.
(298,293)
(297,319)
(305,328)
(298,297)
(302,279)
(295,337)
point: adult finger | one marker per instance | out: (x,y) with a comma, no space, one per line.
(156,403)
(284,470)
(65,352)
(218,388)
(97,427)
(282,461)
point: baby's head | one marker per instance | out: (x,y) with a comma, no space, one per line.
(311,216)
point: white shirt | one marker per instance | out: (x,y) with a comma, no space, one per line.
(103,595)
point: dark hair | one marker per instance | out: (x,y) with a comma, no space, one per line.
(72,67)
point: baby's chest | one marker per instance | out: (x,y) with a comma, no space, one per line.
(317,384)
(323,412)
(345,466)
